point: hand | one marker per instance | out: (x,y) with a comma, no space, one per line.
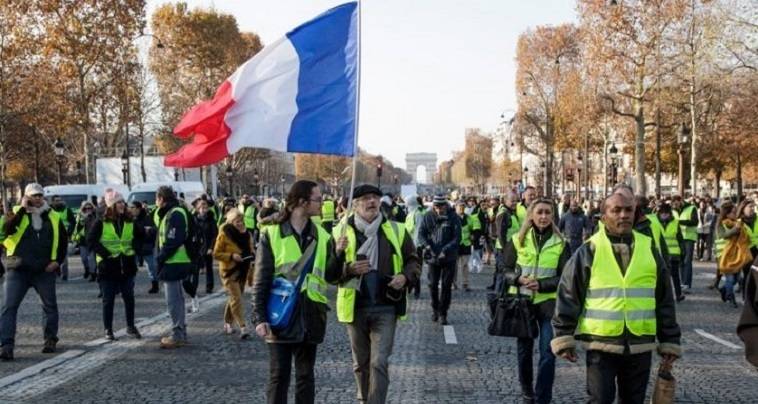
(533,285)
(398,282)
(209,252)
(524,280)
(52,267)
(341,245)
(263,330)
(441,256)
(236,258)
(569,354)
(359,267)
(668,359)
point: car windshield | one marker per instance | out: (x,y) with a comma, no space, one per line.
(147,197)
(74,201)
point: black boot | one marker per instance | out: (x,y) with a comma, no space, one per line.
(154,287)
(6,354)
(443,319)
(133,332)
(435,316)
(109,335)
(49,346)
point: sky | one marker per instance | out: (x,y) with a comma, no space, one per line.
(430,68)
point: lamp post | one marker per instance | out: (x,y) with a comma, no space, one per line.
(683,139)
(59,157)
(282,180)
(395,180)
(613,152)
(256,181)
(125,166)
(524,177)
(229,172)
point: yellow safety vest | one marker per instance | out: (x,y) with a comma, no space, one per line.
(688,232)
(537,263)
(465,230)
(615,301)
(410,221)
(476,224)
(513,228)
(286,251)
(327,211)
(752,233)
(180,256)
(248,215)
(11,240)
(669,234)
(116,245)
(719,244)
(521,212)
(656,227)
(346,292)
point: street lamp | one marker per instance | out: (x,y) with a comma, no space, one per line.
(395,180)
(282,180)
(59,157)
(229,175)
(683,139)
(613,152)
(125,166)
(525,176)
(379,175)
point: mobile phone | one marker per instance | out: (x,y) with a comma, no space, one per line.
(361,257)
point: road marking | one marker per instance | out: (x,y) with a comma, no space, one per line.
(449,332)
(40,367)
(717,339)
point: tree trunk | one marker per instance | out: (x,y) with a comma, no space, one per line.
(718,184)
(640,185)
(658,152)
(739,177)
(693,132)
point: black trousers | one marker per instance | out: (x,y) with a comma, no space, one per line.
(415,287)
(444,272)
(191,282)
(629,372)
(280,368)
(110,288)
(208,262)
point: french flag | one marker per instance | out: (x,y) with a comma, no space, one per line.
(298,94)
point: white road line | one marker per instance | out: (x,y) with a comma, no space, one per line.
(39,368)
(717,339)
(449,332)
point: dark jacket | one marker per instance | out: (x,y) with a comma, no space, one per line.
(84,223)
(308,323)
(512,271)
(747,328)
(177,233)
(33,250)
(67,215)
(441,233)
(114,268)
(411,268)
(570,304)
(207,230)
(147,243)
(574,225)
(503,223)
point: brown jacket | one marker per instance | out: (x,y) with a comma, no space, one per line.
(222,252)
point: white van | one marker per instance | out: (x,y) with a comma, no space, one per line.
(145,192)
(75,194)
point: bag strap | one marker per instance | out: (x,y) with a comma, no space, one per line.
(307,257)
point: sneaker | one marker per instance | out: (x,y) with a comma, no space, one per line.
(244,333)
(6,354)
(133,332)
(49,346)
(109,335)
(228,329)
(171,343)
(194,306)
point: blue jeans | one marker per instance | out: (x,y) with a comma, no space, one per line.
(88,260)
(152,269)
(17,283)
(729,281)
(689,249)
(543,391)
(175,303)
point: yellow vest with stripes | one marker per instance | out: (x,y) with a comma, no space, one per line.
(537,263)
(286,251)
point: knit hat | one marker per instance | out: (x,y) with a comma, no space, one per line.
(111,197)
(33,189)
(439,200)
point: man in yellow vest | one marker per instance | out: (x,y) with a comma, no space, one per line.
(173,261)
(529,195)
(327,214)
(672,242)
(380,260)
(413,219)
(249,212)
(686,213)
(507,224)
(35,240)
(615,296)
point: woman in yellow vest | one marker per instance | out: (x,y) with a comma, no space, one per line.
(280,249)
(532,266)
(727,230)
(114,239)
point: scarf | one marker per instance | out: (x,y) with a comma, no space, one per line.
(36,214)
(370,248)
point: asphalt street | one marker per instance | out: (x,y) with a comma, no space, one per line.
(430,364)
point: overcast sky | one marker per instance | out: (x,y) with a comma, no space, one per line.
(430,68)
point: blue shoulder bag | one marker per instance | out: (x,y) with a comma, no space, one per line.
(283,296)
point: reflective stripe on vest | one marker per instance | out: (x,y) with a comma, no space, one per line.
(286,251)
(346,292)
(116,245)
(11,240)
(614,301)
(688,232)
(180,256)
(537,263)
(669,234)
(327,211)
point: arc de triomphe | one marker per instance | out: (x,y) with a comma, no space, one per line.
(428,160)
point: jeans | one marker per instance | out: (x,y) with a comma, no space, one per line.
(372,335)
(674,265)
(16,284)
(88,260)
(689,247)
(729,281)
(280,368)
(64,267)
(444,272)
(606,370)
(152,268)
(110,288)
(545,368)
(175,304)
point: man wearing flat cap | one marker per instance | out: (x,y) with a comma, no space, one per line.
(35,241)
(439,235)
(380,261)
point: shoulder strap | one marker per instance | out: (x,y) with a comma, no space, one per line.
(306,260)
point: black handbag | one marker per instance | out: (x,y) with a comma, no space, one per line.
(512,316)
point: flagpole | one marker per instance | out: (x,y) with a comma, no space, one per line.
(357,120)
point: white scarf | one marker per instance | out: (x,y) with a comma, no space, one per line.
(370,248)
(36,214)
